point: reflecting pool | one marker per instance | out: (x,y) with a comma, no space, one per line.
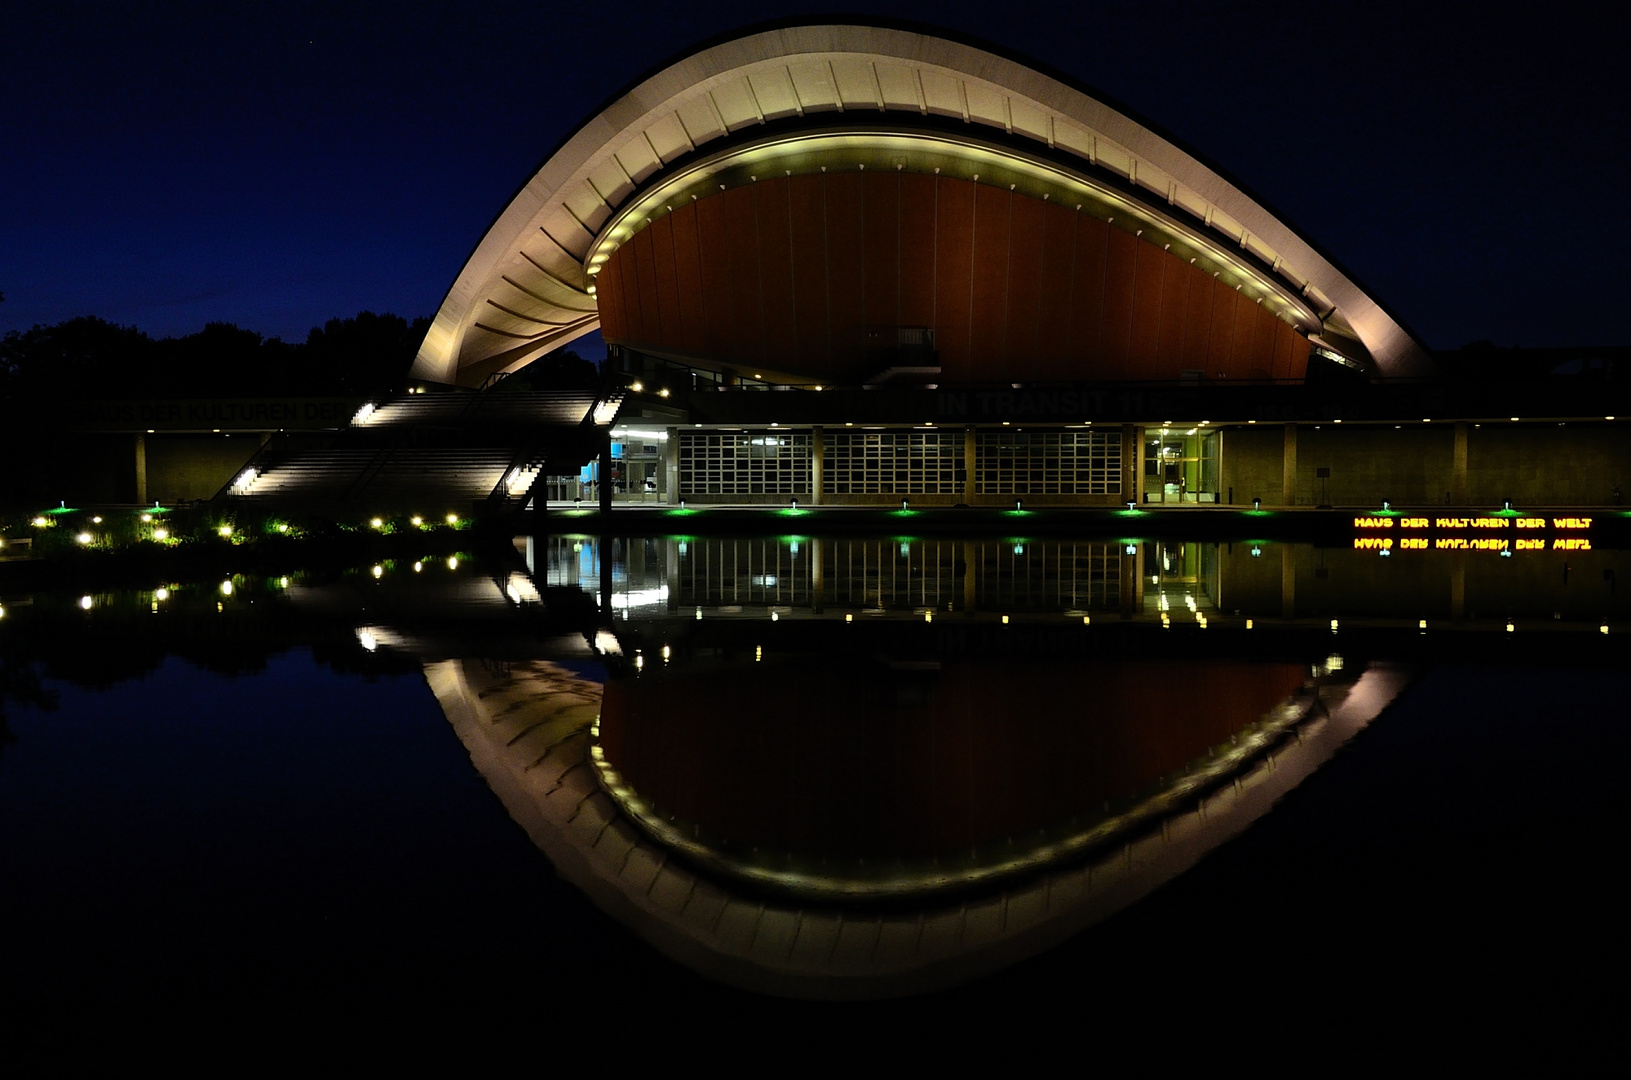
(813,767)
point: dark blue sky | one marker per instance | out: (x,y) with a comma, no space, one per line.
(165,165)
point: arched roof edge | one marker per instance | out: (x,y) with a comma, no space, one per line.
(1359,301)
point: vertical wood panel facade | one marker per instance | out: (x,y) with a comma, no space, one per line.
(818,275)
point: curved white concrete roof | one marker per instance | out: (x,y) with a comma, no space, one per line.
(528,286)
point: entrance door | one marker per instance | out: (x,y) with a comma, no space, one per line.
(1180,465)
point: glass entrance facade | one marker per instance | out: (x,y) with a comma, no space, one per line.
(1181,465)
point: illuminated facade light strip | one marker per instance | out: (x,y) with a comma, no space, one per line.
(849,147)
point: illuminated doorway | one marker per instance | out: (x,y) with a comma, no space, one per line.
(1180,465)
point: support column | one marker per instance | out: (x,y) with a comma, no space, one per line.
(1132,464)
(671,573)
(1132,581)
(818,576)
(971,461)
(1288,583)
(537,497)
(671,467)
(971,575)
(141,469)
(603,472)
(1288,462)
(603,566)
(1458,478)
(818,461)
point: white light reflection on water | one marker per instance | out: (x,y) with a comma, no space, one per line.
(216,815)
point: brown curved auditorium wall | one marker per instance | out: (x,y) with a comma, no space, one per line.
(814,274)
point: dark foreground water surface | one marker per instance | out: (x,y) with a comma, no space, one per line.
(252,794)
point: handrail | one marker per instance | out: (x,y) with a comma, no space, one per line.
(256,460)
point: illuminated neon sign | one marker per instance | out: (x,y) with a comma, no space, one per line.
(1477,533)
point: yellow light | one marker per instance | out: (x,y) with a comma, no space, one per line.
(97,520)
(452,562)
(663,392)
(636,387)
(84,538)
(667,652)
(1422,625)
(418,566)
(848,617)
(774,617)
(225,530)
(639,663)
(226,588)
(1005,620)
(1087,620)
(283,527)
(758,653)
(161,534)
(283,583)
(41,522)
(928,616)
(1510,628)
(147,518)
(378,571)
(377,523)
(1603,629)
(417,520)
(161,593)
(1248,624)
(453,519)
(85,602)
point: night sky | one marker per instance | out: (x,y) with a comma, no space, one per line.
(167,165)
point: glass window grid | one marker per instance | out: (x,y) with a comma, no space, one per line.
(892,463)
(745,463)
(1048,463)
(744,572)
(1048,576)
(894,574)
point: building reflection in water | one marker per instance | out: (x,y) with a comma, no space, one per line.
(897,732)
(1186,580)
(863,767)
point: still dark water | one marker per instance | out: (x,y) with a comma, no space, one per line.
(263,808)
